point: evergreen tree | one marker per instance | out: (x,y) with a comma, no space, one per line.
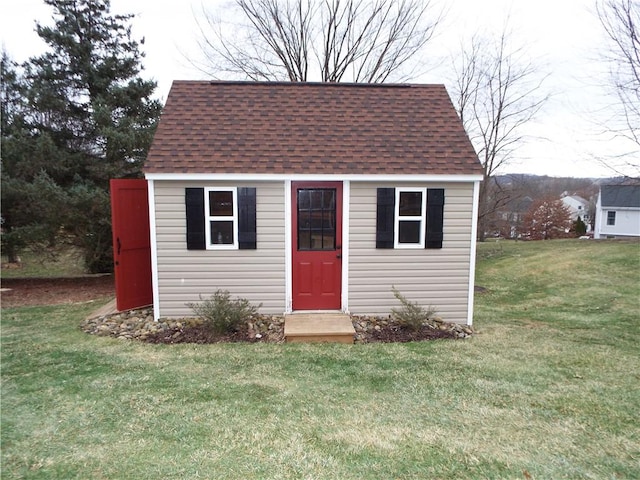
(579,227)
(86,116)
(31,201)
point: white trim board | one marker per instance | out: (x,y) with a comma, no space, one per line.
(288,212)
(288,254)
(311,177)
(346,206)
(472,253)
(611,208)
(154,249)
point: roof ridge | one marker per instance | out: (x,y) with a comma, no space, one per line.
(312,84)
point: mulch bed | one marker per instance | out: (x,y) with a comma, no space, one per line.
(388,334)
(392,333)
(199,334)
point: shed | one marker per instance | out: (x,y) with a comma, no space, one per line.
(313,197)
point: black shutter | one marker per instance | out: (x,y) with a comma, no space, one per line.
(435,211)
(247,218)
(194,201)
(385,217)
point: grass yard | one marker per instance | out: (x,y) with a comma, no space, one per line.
(63,260)
(549,389)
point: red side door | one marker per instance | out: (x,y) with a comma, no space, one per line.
(317,245)
(131,243)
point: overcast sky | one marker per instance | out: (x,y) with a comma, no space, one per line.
(563,37)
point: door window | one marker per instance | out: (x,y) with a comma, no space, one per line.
(316,219)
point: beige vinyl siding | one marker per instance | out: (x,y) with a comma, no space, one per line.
(438,277)
(257,275)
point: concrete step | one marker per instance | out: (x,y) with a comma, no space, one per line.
(318,327)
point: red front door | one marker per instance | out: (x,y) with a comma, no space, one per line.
(131,243)
(317,245)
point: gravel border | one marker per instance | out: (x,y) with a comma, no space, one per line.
(138,324)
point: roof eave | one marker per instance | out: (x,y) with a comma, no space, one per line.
(245,177)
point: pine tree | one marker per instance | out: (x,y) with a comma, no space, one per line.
(579,227)
(88,116)
(31,201)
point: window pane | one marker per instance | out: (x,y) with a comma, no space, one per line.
(221,233)
(329,240)
(304,240)
(409,232)
(303,199)
(329,219)
(316,220)
(611,218)
(329,200)
(304,219)
(221,204)
(410,204)
(316,241)
(316,199)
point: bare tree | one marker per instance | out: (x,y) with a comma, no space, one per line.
(497,91)
(620,20)
(326,40)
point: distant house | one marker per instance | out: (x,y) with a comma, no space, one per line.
(313,197)
(510,217)
(578,207)
(618,212)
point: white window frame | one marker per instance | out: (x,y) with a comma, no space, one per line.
(421,218)
(212,218)
(611,219)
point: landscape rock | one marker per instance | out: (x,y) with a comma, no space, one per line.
(386,329)
(139,325)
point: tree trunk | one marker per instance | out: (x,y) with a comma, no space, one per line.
(10,250)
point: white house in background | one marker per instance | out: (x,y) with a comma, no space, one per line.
(618,211)
(578,207)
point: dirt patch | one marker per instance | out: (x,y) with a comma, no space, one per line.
(19,292)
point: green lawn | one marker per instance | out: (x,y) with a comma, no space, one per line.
(549,389)
(60,261)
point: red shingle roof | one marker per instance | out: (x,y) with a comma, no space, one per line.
(310,128)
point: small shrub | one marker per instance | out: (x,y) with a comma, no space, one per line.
(411,314)
(222,314)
